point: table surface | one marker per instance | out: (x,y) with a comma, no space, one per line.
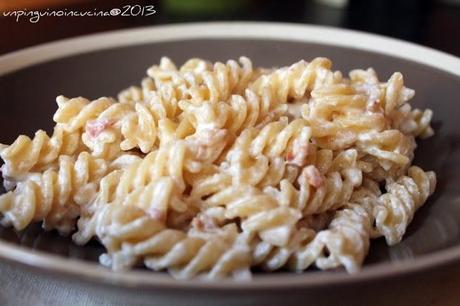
(429,23)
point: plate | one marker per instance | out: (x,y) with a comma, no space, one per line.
(102,64)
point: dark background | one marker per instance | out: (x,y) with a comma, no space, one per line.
(428,22)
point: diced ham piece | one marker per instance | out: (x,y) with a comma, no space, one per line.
(96,127)
(204,223)
(375,107)
(198,224)
(312,175)
(290,156)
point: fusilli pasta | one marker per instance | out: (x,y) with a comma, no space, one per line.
(208,170)
(26,154)
(54,195)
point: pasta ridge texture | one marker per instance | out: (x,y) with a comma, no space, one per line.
(198,80)
(260,156)
(54,195)
(338,114)
(214,255)
(321,189)
(26,154)
(404,196)
(298,80)
(346,242)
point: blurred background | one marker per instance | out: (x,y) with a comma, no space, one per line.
(433,23)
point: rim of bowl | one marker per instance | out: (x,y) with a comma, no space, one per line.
(93,272)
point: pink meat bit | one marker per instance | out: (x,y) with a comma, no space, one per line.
(204,223)
(298,155)
(311,175)
(375,107)
(157,214)
(96,127)
(198,224)
(290,156)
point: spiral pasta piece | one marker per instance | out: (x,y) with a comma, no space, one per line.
(271,257)
(139,130)
(159,163)
(112,127)
(413,122)
(396,94)
(338,115)
(158,196)
(53,196)
(298,80)
(210,136)
(73,114)
(391,98)
(238,112)
(131,95)
(259,212)
(422,121)
(398,205)
(254,110)
(102,121)
(152,118)
(134,94)
(328,185)
(130,235)
(255,152)
(26,154)
(344,243)
(196,80)
(162,101)
(389,152)
(169,161)
(261,158)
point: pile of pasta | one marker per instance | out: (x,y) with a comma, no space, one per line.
(211,169)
